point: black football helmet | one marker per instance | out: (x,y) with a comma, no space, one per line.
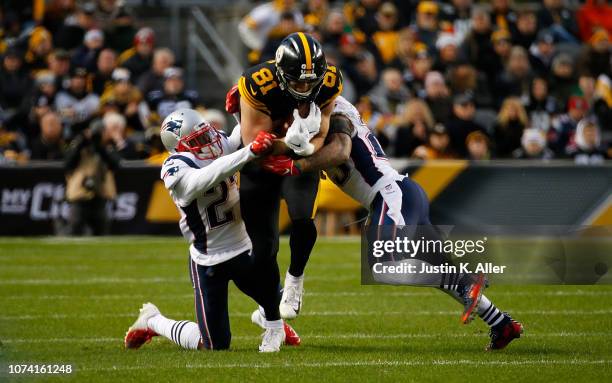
(301,66)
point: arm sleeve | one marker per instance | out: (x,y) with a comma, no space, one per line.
(339,123)
(235,140)
(191,183)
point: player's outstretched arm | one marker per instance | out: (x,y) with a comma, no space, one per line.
(195,182)
(336,152)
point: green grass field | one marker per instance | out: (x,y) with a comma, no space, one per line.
(71,301)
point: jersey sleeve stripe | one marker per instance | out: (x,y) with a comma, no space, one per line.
(186,160)
(244,92)
(306,51)
(249,95)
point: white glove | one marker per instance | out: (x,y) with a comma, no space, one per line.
(313,121)
(298,137)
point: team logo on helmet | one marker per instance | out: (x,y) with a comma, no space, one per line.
(279,53)
(173,126)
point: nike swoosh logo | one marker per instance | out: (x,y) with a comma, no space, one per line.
(252,91)
(297,145)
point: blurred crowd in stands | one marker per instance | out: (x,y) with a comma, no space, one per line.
(445,79)
(462,78)
(70,67)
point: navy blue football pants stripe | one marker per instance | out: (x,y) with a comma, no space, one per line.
(415,211)
(415,206)
(210,284)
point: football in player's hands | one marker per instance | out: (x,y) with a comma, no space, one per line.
(304,109)
(312,121)
(262,143)
(298,138)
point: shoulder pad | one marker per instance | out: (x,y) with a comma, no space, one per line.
(174,166)
(331,88)
(258,85)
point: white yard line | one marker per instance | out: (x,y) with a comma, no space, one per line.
(351,313)
(128,280)
(331,294)
(344,363)
(90,281)
(139,240)
(323,336)
(118,280)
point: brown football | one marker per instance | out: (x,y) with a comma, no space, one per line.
(280,126)
(304,109)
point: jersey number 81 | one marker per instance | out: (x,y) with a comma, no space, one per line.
(263,76)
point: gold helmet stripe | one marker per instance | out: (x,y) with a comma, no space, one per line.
(306,51)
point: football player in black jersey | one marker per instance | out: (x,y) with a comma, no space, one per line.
(270,92)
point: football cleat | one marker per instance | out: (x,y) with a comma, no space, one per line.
(471,298)
(504,333)
(272,340)
(291,336)
(140,333)
(291,301)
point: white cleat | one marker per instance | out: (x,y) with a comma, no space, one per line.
(272,340)
(258,318)
(291,301)
(292,338)
(140,333)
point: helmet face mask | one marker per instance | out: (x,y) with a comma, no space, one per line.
(204,142)
(301,66)
(303,90)
(185,130)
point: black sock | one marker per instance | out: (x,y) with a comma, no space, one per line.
(301,242)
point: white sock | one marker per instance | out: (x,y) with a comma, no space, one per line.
(184,333)
(273,323)
(294,281)
(489,312)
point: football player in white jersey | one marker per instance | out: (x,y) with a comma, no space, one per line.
(199,175)
(354,160)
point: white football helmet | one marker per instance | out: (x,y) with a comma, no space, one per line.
(186,130)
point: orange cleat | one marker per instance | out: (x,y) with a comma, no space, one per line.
(471,298)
